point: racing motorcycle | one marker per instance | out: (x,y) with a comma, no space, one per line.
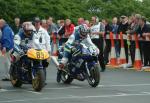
(82,65)
(28,67)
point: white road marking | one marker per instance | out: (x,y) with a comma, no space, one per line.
(6,90)
(71,87)
(76,97)
(33,92)
(75,87)
(124,85)
(146,92)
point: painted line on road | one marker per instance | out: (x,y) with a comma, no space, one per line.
(120,85)
(124,85)
(71,87)
(32,92)
(75,87)
(77,97)
(6,90)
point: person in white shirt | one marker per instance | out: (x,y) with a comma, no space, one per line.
(41,38)
(97,32)
(0,36)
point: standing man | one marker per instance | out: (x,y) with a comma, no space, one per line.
(97,33)
(123,27)
(7,44)
(17,25)
(0,45)
(44,24)
(80,22)
(144,33)
(133,27)
(107,49)
(115,30)
(41,37)
(52,27)
(52,30)
(61,32)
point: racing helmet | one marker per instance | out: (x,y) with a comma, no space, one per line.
(28,28)
(84,30)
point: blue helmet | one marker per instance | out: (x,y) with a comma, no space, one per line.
(84,30)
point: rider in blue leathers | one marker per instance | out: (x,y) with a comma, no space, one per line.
(80,35)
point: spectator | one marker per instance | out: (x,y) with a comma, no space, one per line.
(133,27)
(41,37)
(107,49)
(80,22)
(69,28)
(97,33)
(52,28)
(0,39)
(0,35)
(61,32)
(0,45)
(123,27)
(44,24)
(87,23)
(115,30)
(58,24)
(7,44)
(143,33)
(17,26)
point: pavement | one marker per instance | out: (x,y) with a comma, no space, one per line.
(116,86)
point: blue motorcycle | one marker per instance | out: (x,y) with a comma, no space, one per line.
(83,65)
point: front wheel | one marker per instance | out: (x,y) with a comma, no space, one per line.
(94,77)
(39,80)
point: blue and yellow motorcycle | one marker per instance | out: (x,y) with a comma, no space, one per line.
(83,65)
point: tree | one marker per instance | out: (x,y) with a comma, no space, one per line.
(62,9)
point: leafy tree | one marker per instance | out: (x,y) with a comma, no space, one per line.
(62,9)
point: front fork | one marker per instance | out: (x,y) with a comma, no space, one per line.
(35,69)
(89,67)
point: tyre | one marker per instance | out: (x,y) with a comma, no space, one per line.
(65,77)
(13,77)
(58,78)
(94,77)
(39,81)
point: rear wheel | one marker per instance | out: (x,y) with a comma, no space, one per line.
(94,77)
(13,77)
(39,81)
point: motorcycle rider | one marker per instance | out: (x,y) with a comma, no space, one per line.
(80,35)
(34,37)
(25,36)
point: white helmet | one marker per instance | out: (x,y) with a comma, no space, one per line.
(27,26)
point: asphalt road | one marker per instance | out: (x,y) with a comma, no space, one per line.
(116,86)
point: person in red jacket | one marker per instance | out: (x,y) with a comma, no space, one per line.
(69,28)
